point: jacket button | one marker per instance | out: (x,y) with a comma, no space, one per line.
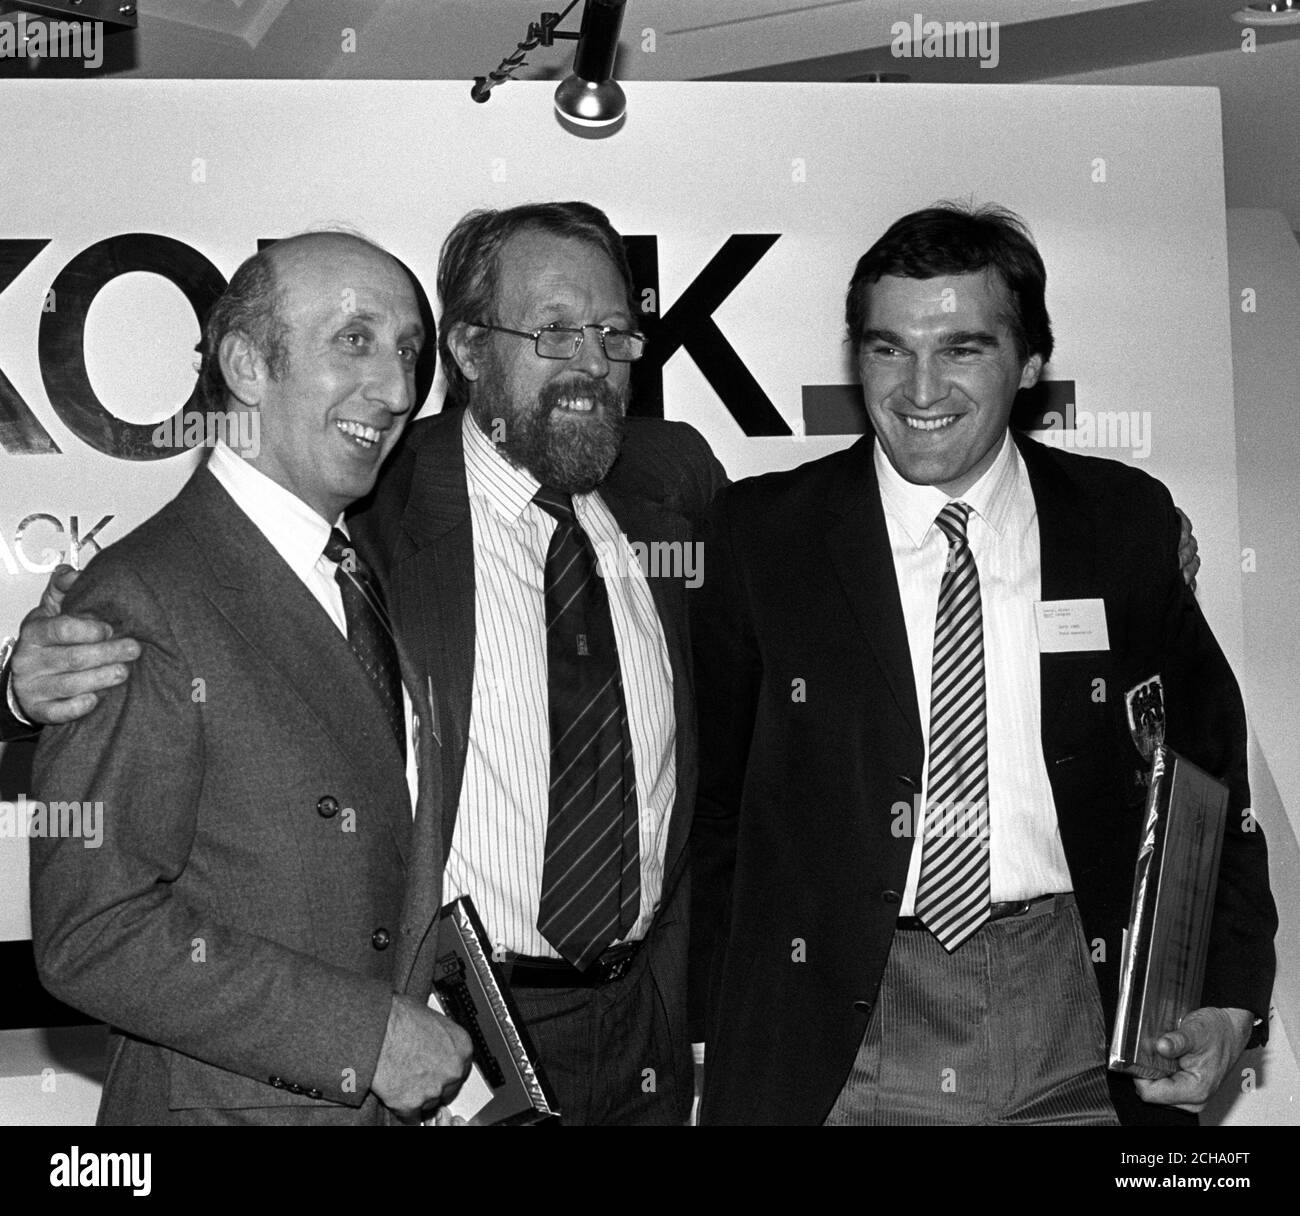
(891,897)
(327,807)
(380,939)
(278,1082)
(312,1093)
(295,1088)
(904,779)
(862,1006)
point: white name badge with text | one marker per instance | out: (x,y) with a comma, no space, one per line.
(1066,625)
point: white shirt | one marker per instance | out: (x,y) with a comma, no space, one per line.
(1025,853)
(299,536)
(498,847)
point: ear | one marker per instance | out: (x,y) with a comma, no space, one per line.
(1031,371)
(464,342)
(243,368)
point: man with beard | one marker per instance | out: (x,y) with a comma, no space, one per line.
(505,530)
(505,526)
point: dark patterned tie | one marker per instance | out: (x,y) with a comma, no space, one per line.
(370,633)
(952,893)
(591,877)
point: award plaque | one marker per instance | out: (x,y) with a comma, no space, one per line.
(1164,948)
(505,1084)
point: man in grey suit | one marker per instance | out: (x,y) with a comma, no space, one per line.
(538,337)
(256,925)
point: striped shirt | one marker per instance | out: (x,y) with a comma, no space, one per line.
(1026,857)
(498,847)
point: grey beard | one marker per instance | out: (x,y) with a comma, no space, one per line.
(570,454)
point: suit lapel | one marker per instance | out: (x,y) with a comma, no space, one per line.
(298,642)
(863,561)
(424,886)
(431,589)
(644,523)
(1069,570)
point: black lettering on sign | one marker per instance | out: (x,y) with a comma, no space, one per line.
(62,335)
(689,323)
(20,432)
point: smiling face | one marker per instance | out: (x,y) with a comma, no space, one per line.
(561,419)
(353,334)
(939,373)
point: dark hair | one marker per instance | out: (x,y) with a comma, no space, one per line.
(952,238)
(469,266)
(250,305)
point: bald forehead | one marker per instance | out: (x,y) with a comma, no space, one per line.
(317,255)
(325,278)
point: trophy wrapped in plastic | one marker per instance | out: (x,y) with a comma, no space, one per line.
(1165,945)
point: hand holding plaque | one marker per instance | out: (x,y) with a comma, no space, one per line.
(505,1083)
(1204,1046)
(1167,939)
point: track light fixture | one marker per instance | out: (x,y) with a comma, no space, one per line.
(589,96)
(1269,12)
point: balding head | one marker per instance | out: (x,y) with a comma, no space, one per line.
(252,302)
(325,356)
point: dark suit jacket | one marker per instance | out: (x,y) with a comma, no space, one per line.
(243,926)
(792,836)
(417,530)
(10,727)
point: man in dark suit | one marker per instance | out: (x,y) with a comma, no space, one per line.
(255,926)
(919,798)
(533,466)
(485,515)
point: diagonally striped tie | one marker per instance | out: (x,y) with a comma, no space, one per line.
(370,632)
(952,894)
(591,875)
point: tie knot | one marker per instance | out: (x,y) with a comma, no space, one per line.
(556,503)
(952,521)
(340,550)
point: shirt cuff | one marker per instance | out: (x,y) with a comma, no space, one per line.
(10,700)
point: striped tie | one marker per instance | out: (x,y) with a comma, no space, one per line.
(370,633)
(952,895)
(591,876)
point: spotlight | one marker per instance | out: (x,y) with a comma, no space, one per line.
(590,96)
(1269,12)
(589,101)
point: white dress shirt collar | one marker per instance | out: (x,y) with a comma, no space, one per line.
(916,507)
(296,532)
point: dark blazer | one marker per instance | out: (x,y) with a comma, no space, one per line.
(417,531)
(792,836)
(10,727)
(243,926)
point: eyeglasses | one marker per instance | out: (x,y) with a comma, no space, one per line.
(563,342)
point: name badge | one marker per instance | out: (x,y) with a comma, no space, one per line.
(1066,625)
